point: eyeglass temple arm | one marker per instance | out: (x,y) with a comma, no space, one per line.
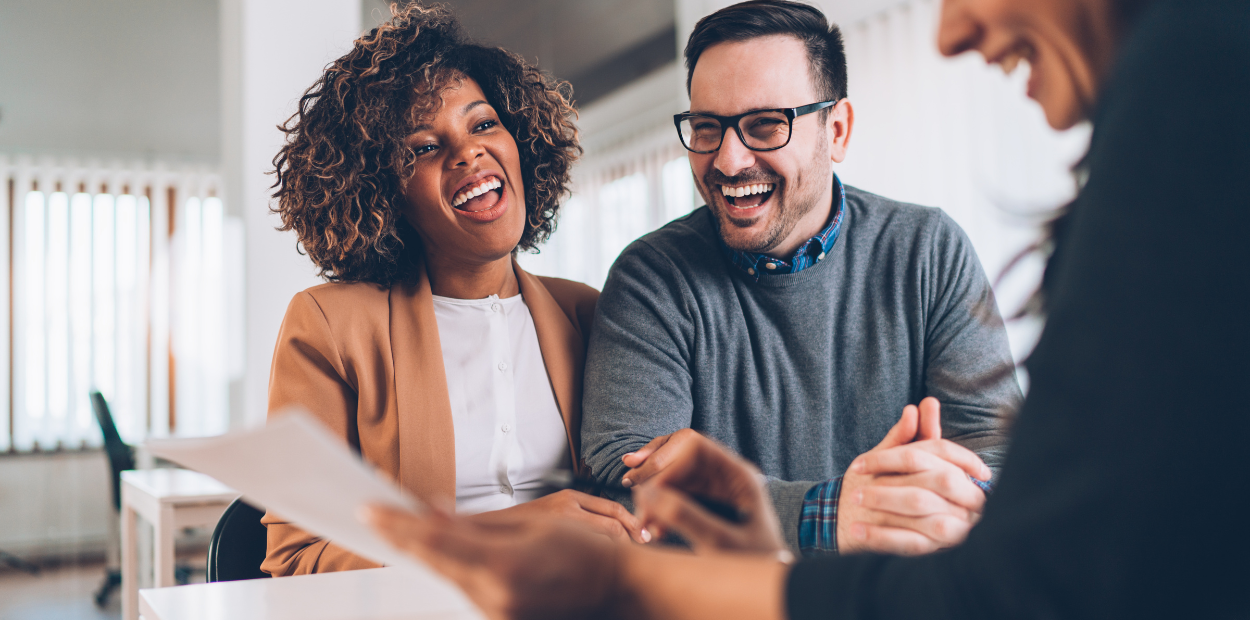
(808,109)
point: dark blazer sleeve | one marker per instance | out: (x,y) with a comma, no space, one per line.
(1123,494)
(308,372)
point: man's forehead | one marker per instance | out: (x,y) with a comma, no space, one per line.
(763,72)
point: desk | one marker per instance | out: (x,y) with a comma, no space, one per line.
(169,499)
(391,593)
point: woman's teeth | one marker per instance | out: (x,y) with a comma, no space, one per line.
(469,193)
(746,190)
(1021,52)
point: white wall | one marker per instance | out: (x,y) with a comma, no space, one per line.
(133,79)
(272,50)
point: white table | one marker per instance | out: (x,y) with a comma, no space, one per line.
(391,593)
(169,499)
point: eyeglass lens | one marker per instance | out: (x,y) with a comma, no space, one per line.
(762,130)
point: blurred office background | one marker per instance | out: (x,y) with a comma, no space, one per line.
(138,257)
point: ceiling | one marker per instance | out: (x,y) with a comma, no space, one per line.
(597,45)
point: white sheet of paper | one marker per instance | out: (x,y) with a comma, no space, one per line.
(296,468)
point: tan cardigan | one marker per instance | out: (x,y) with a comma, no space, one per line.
(367,361)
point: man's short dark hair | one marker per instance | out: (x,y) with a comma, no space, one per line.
(761,18)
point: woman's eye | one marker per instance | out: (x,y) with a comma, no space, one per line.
(423,149)
(484,125)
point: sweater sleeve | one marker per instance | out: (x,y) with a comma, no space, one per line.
(1122,494)
(968,363)
(638,382)
(307,372)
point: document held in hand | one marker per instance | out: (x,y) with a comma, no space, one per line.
(296,468)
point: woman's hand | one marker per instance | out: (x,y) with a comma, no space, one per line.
(515,565)
(553,569)
(697,467)
(596,513)
(654,457)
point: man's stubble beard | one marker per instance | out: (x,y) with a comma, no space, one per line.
(788,210)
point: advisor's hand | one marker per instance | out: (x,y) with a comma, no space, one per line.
(698,466)
(911,493)
(596,513)
(515,566)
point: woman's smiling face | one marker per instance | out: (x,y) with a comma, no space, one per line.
(465,196)
(1068,45)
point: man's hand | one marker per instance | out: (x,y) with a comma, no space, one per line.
(697,467)
(515,566)
(596,513)
(911,493)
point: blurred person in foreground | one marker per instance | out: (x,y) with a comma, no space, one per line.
(1124,492)
(794,316)
(417,166)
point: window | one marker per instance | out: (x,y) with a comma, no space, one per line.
(105,262)
(609,211)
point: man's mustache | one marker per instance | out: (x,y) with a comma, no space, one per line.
(746,177)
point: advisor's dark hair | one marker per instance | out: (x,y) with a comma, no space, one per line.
(761,18)
(341,172)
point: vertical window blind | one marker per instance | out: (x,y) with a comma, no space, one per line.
(617,197)
(113,281)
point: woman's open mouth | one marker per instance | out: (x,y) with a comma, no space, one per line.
(747,197)
(482,200)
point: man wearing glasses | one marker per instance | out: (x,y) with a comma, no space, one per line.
(794,318)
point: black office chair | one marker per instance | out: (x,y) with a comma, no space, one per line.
(238,544)
(121,458)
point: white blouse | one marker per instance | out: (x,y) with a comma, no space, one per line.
(508,430)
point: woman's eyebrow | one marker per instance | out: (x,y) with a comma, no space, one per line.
(465,110)
(470,106)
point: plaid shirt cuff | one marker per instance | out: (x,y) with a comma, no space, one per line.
(986,487)
(818,521)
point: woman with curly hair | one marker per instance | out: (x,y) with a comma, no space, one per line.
(415,169)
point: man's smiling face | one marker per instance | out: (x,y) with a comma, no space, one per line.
(784,193)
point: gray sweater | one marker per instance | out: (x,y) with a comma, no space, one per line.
(799,373)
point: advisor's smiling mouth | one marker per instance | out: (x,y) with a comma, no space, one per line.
(479,196)
(1021,51)
(747,196)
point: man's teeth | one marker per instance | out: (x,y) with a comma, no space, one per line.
(746,190)
(469,193)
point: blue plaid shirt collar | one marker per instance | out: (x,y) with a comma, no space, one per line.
(811,252)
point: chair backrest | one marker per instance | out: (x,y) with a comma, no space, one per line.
(121,456)
(238,544)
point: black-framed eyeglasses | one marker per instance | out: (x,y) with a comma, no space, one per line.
(759,130)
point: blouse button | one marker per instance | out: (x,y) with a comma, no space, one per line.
(505,428)
(503,366)
(496,307)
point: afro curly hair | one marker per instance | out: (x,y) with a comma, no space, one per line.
(341,171)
